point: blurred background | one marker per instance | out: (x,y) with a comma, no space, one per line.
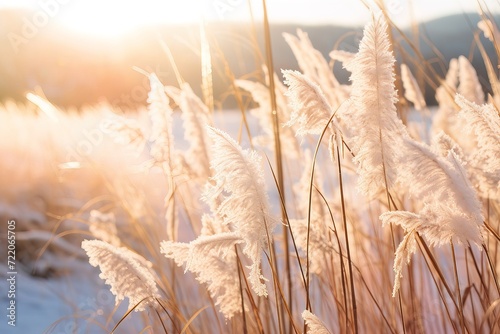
(82,52)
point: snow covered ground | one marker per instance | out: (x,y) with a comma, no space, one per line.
(66,296)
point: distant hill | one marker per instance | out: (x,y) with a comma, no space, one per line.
(76,70)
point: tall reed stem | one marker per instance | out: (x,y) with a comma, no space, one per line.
(459,293)
(278,155)
(344,220)
(238,264)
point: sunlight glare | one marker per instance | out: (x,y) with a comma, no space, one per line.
(114,18)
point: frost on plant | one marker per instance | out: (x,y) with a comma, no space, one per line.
(196,117)
(213,260)
(451,210)
(412,90)
(238,179)
(482,123)
(128,273)
(161,120)
(376,129)
(240,215)
(314,325)
(311,110)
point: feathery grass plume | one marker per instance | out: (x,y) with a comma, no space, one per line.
(438,223)
(490,30)
(206,69)
(213,260)
(408,245)
(446,92)
(446,118)
(239,180)
(195,117)
(412,90)
(220,243)
(441,180)
(280,90)
(260,94)
(211,226)
(469,85)
(314,65)
(174,93)
(304,52)
(342,56)
(162,148)
(103,226)
(483,122)
(177,251)
(311,110)
(314,325)
(376,129)
(442,144)
(451,209)
(128,273)
(160,113)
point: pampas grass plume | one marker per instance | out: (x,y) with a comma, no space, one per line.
(128,274)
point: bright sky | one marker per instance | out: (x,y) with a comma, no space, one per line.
(111,17)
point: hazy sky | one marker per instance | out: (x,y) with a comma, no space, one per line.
(115,16)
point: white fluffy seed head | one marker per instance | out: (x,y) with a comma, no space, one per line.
(128,273)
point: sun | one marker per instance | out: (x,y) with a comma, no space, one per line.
(113,18)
